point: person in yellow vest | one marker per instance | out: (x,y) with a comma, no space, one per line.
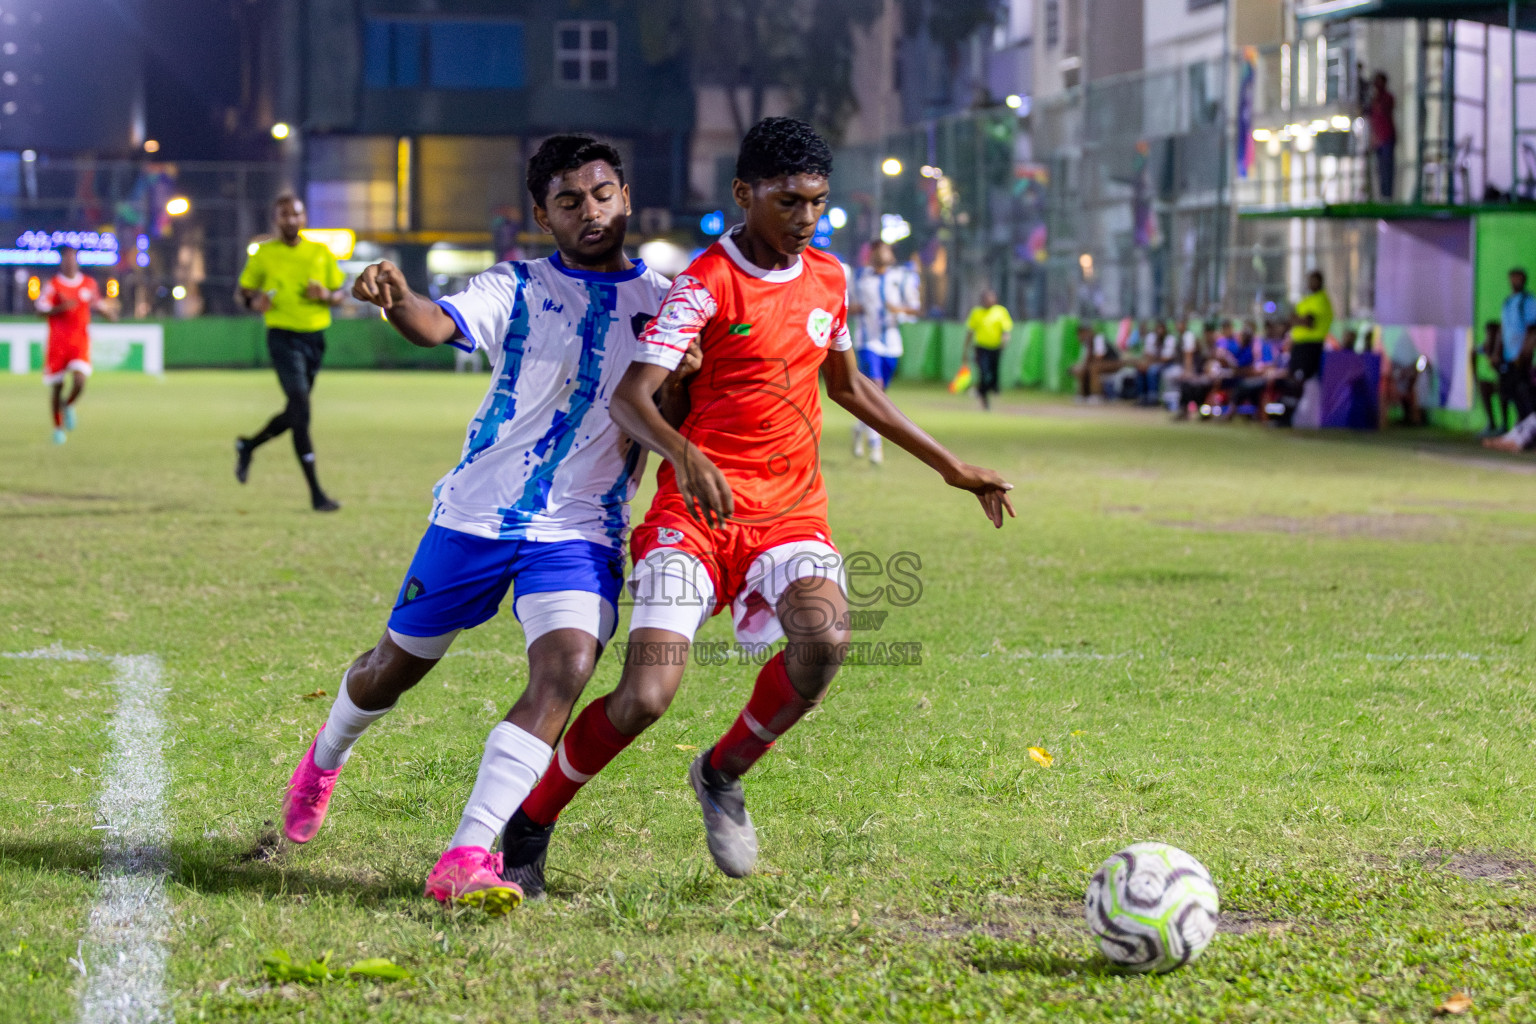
(1310,324)
(987,328)
(293,283)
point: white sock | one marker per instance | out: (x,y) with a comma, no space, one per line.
(875,440)
(342,729)
(514,759)
(1525,431)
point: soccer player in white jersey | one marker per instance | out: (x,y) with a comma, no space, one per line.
(538,502)
(882,300)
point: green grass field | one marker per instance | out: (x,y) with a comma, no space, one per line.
(1305,660)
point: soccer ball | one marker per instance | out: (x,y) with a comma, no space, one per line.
(1152,907)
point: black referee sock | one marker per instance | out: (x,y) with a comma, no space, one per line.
(275,426)
(307,463)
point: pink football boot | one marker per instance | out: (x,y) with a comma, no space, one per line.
(309,795)
(470,876)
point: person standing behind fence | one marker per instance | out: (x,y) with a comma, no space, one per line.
(1310,325)
(1381,117)
(1518,321)
(987,327)
(293,283)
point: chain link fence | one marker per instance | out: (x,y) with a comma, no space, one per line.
(167,263)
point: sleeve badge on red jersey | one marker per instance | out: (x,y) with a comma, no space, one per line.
(819,326)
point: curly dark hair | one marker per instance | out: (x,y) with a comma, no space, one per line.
(782,145)
(561,153)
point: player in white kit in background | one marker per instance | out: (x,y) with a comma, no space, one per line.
(883,299)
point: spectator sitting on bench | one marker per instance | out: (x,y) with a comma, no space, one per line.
(1130,380)
(1099,359)
(1202,370)
(1251,392)
(1185,361)
(1158,347)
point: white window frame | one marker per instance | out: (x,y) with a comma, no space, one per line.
(585,55)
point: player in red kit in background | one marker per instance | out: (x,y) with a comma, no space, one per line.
(67,300)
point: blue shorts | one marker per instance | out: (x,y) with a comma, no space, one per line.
(458,580)
(880,369)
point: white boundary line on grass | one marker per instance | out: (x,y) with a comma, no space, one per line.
(124,952)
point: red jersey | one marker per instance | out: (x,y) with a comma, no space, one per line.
(755,405)
(68,328)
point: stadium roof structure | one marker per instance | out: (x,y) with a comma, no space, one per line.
(1522,13)
(1387,211)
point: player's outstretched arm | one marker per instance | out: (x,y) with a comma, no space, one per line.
(861,396)
(633,407)
(419,320)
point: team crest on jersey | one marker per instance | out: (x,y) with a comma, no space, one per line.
(668,536)
(819,326)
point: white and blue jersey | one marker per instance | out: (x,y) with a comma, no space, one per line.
(542,460)
(879,327)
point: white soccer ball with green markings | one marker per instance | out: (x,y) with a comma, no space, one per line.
(1152,907)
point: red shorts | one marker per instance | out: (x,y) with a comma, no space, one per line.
(727,552)
(66,355)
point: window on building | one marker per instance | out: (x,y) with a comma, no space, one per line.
(476,55)
(411,53)
(1053,23)
(586,54)
(1199,5)
(392,53)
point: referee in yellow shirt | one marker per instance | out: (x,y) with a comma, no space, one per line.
(293,283)
(987,326)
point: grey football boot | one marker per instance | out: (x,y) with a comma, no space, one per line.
(727,825)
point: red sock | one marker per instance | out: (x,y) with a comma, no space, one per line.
(770,712)
(589,744)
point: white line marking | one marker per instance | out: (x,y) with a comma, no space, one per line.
(124,951)
(54,653)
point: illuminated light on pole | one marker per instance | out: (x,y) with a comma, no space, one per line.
(1014,102)
(838,218)
(179,206)
(151,146)
(34,288)
(340,241)
(890,167)
(280,131)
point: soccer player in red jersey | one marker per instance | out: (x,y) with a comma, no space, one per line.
(740,516)
(67,300)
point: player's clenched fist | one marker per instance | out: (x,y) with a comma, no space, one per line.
(381,284)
